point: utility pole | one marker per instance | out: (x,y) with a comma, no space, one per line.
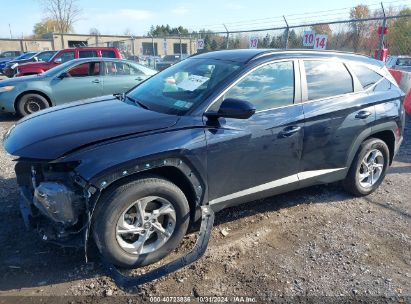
(381,44)
(286,34)
(228,36)
(11,36)
(181,47)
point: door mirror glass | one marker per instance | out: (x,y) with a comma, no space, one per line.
(58,60)
(234,108)
(35,59)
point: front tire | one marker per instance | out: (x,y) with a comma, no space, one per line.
(368,168)
(31,103)
(140,222)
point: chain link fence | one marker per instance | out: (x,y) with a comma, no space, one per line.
(365,36)
(369,36)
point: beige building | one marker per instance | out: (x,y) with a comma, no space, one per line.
(128,45)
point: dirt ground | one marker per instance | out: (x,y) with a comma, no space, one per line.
(318,244)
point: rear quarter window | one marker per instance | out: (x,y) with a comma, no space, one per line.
(366,76)
(108,54)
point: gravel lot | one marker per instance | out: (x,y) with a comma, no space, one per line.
(317,244)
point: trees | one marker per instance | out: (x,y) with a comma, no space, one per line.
(359,29)
(94,31)
(46,25)
(165,30)
(63,12)
(398,39)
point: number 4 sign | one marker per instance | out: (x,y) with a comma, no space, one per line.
(320,42)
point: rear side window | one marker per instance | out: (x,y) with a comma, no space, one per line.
(87,54)
(108,54)
(326,79)
(366,76)
(270,86)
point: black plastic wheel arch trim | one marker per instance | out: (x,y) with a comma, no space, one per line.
(122,281)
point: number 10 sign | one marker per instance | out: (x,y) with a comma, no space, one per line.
(317,41)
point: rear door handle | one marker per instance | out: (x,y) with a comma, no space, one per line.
(363,114)
(139,78)
(288,131)
(96,81)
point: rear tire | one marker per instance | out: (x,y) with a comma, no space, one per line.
(31,103)
(140,222)
(368,168)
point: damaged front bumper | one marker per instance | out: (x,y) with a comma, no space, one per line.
(55,203)
(52,203)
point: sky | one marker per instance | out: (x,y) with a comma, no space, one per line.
(136,16)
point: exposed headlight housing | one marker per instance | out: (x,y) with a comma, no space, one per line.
(6,89)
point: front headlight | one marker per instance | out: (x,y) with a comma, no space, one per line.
(6,89)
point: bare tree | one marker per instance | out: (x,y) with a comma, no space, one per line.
(64,12)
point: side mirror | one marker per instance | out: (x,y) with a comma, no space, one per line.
(233,108)
(58,60)
(35,59)
(64,75)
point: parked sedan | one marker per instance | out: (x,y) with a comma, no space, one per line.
(7,56)
(70,81)
(10,69)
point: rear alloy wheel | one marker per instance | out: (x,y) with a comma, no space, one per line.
(140,222)
(368,168)
(31,103)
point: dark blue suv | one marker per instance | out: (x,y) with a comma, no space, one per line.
(215,130)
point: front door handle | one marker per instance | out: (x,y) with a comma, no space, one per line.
(96,81)
(363,114)
(288,131)
(139,78)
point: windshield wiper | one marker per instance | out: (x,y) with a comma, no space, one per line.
(137,102)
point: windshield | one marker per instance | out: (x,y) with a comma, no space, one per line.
(171,58)
(7,55)
(26,56)
(183,86)
(404,61)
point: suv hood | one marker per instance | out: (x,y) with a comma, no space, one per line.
(54,132)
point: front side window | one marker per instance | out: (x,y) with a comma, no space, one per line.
(270,86)
(87,54)
(67,56)
(85,69)
(45,56)
(184,85)
(366,76)
(326,79)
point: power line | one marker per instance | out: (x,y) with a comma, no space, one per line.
(266,21)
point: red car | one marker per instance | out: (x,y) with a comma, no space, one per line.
(64,56)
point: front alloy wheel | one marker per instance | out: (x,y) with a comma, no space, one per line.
(146,225)
(140,221)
